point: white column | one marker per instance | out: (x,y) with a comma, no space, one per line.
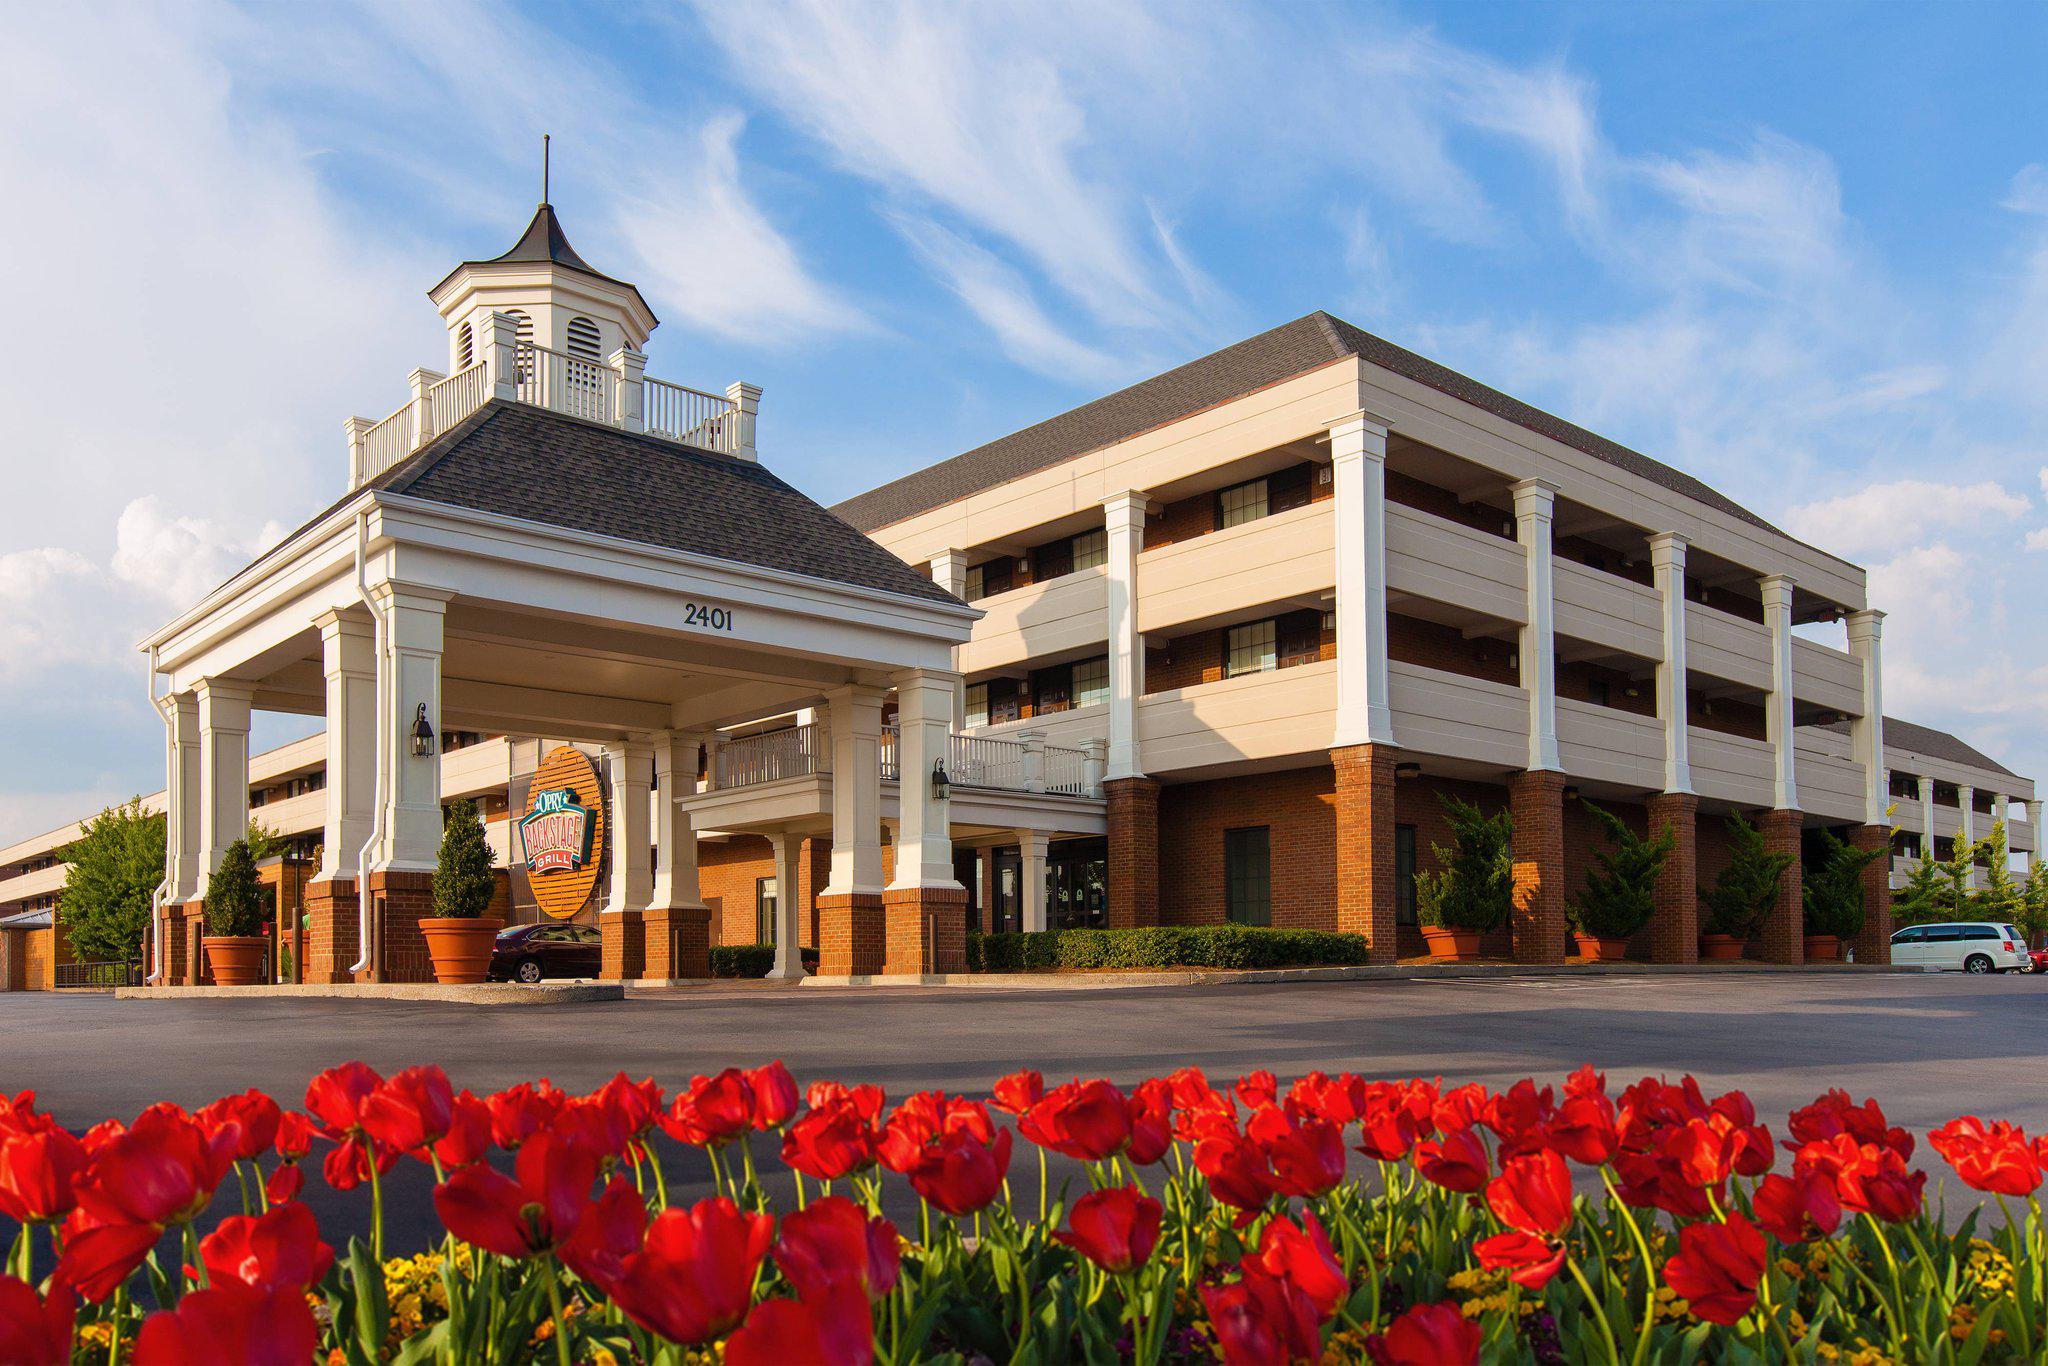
(924,847)
(223,770)
(2001,807)
(787,847)
(348,653)
(1667,564)
(949,571)
(1966,798)
(1778,727)
(629,768)
(1927,818)
(675,840)
(629,404)
(1034,759)
(1535,500)
(2033,834)
(412,802)
(182,794)
(1866,732)
(746,408)
(424,427)
(1358,460)
(498,343)
(1032,846)
(357,430)
(1095,765)
(1124,522)
(856,790)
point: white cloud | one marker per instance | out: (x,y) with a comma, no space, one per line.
(1880,517)
(2028,192)
(48,596)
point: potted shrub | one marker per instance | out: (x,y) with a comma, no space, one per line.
(1742,893)
(459,937)
(235,947)
(1473,889)
(1621,889)
(1832,892)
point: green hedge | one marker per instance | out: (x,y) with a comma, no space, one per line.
(751,960)
(1164,946)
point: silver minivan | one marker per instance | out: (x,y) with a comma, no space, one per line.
(1966,946)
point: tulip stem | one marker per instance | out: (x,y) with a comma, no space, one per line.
(1593,1303)
(1649,1270)
(376,1205)
(547,1271)
(660,1178)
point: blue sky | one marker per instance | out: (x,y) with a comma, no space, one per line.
(1800,251)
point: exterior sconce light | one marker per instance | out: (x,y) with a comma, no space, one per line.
(1571,792)
(1408,769)
(942,786)
(422,734)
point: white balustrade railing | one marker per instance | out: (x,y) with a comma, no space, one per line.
(568,384)
(456,397)
(689,415)
(1066,770)
(796,752)
(387,443)
(892,752)
(977,761)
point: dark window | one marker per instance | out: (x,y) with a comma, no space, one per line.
(1288,488)
(1596,692)
(1944,934)
(1247,876)
(1052,689)
(1300,638)
(1404,875)
(1052,561)
(764,910)
(1981,932)
(1916,935)
(1003,702)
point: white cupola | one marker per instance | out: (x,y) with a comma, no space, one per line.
(553,295)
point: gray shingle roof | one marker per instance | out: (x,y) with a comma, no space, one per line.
(1935,744)
(516,460)
(1288,350)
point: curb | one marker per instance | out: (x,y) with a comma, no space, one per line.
(480,994)
(1214,977)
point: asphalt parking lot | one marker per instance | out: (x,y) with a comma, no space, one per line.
(1929,1046)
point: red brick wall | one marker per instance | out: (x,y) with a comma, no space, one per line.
(1729,716)
(1576,680)
(1431,645)
(1419,802)
(1415,493)
(1364,834)
(1297,807)
(1136,831)
(726,872)
(1784,928)
(1540,857)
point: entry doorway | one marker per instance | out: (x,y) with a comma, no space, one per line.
(1006,906)
(1077,885)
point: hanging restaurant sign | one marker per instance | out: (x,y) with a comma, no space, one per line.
(562,833)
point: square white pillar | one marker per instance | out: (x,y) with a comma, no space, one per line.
(223,769)
(1966,800)
(676,759)
(1031,848)
(1927,818)
(787,847)
(924,848)
(629,772)
(1866,732)
(949,571)
(1358,474)
(1535,504)
(1778,726)
(2033,834)
(856,790)
(410,691)
(182,794)
(1667,565)
(348,652)
(1124,525)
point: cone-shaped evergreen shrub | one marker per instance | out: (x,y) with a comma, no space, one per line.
(464,877)
(1621,887)
(1743,891)
(234,894)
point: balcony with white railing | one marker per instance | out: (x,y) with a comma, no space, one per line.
(615,392)
(1026,764)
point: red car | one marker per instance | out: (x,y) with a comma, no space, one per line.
(2039,958)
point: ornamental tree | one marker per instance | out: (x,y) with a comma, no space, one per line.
(234,894)
(117,863)
(1747,885)
(1473,888)
(1927,896)
(1621,887)
(465,876)
(1833,886)
(1999,899)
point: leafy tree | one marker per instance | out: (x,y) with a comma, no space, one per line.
(117,863)
(2033,913)
(1745,888)
(1833,887)
(1620,895)
(1927,896)
(465,878)
(263,843)
(1473,888)
(1999,899)
(234,894)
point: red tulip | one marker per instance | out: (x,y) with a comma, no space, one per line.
(98,1257)
(609,1230)
(1531,1260)
(1301,1256)
(1389,1122)
(1340,1099)
(411,1111)
(1456,1160)
(693,1278)
(1019,1091)
(468,1140)
(347,1166)
(335,1098)
(713,1112)
(1867,1177)
(1520,1116)
(1306,1154)
(517,1218)
(256,1115)
(1659,1181)
(1255,1089)
(834,1327)
(832,1241)
(295,1134)
(1717,1268)
(1260,1320)
(1583,1128)
(958,1173)
(285,1183)
(1835,1114)
(1151,1123)
(1461,1107)
(634,1105)
(1793,1209)
(1533,1194)
(1427,1335)
(1997,1158)
(1238,1172)
(1116,1228)
(162,1171)
(830,1142)
(232,1325)
(35,1331)
(39,1175)
(925,1117)
(519,1112)
(775,1095)
(1085,1120)
(281,1247)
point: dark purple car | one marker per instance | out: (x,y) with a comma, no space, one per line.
(534,953)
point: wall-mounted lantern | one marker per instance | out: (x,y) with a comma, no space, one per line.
(422,734)
(942,786)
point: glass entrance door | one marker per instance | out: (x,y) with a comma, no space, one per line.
(1006,911)
(1077,885)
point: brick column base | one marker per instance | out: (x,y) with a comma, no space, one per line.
(197,971)
(924,930)
(1536,798)
(399,900)
(1133,812)
(1364,803)
(623,937)
(331,936)
(171,952)
(1675,926)
(676,943)
(1784,927)
(852,934)
(1874,943)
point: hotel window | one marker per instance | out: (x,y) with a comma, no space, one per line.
(1245,503)
(1248,876)
(987,579)
(1091,682)
(1051,689)
(977,705)
(1300,636)
(1250,648)
(1404,875)
(764,910)
(1090,549)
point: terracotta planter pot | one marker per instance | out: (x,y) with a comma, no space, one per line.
(1823,948)
(237,959)
(460,948)
(1720,948)
(1600,948)
(1451,944)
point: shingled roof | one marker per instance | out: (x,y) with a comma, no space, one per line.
(1288,350)
(1935,744)
(520,461)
